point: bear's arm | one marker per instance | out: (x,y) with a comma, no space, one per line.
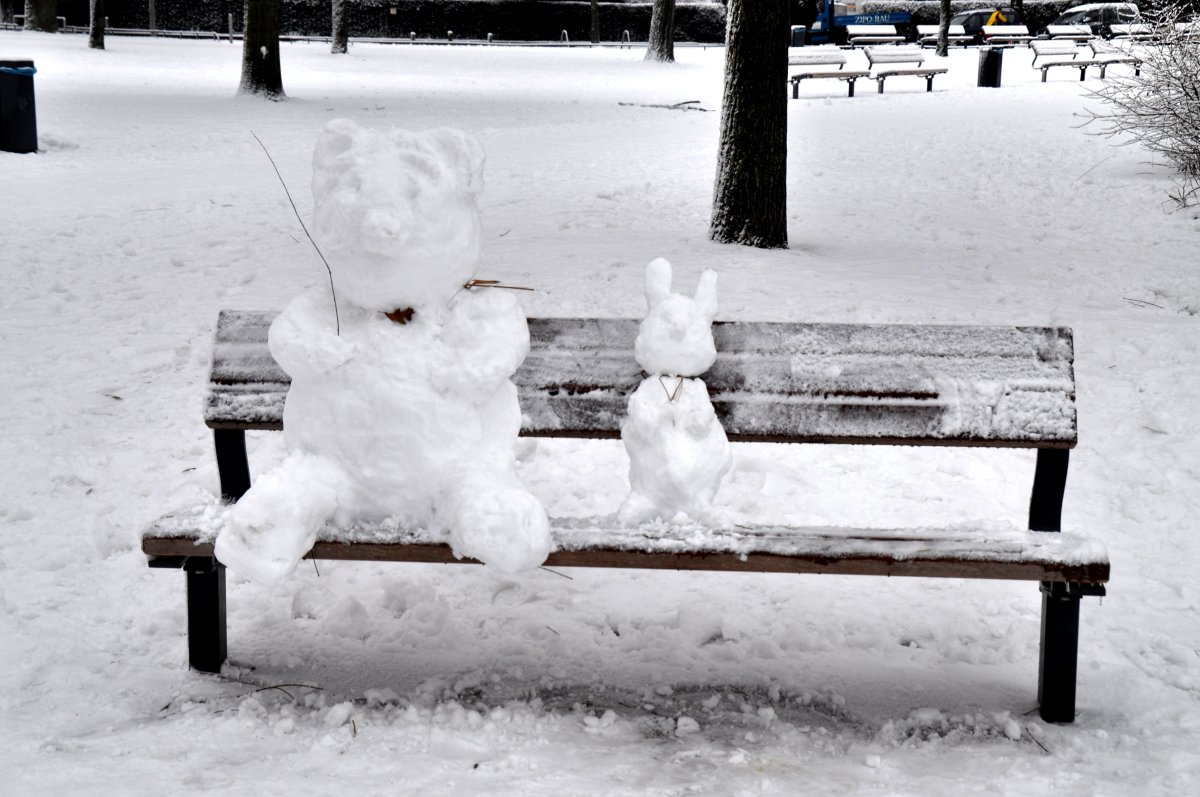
(486,339)
(304,338)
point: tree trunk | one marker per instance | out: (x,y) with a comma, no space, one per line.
(96,31)
(41,15)
(662,32)
(750,195)
(341,30)
(260,50)
(595,21)
(943,41)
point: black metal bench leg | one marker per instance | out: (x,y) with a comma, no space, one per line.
(1058,667)
(928,83)
(851,91)
(207,649)
(230,445)
(795,89)
(1049,484)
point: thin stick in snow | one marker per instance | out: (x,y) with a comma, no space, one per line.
(337,320)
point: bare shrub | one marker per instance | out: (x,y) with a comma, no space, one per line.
(1160,108)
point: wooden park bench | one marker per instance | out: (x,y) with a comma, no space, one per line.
(899,385)
(927,36)
(820,62)
(901,61)
(865,35)
(1006,35)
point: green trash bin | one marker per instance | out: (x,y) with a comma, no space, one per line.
(18,115)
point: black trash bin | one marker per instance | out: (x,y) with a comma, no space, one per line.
(18,116)
(798,32)
(991,63)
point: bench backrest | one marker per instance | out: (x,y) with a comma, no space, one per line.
(932,30)
(1005,30)
(816,56)
(772,382)
(1069,30)
(1109,48)
(895,55)
(1054,47)
(871,30)
(1130,29)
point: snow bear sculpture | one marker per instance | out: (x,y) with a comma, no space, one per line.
(401,405)
(678,452)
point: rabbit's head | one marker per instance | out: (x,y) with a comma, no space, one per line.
(675,338)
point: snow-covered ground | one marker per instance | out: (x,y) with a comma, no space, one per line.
(151,207)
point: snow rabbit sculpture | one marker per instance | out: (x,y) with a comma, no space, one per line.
(401,405)
(678,452)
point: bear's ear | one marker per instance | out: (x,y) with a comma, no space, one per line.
(658,282)
(337,138)
(463,154)
(706,294)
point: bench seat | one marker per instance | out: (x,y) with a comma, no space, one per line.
(956,552)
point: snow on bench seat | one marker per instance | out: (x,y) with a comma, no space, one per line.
(961,551)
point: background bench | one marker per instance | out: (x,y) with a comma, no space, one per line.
(863,35)
(927,36)
(820,61)
(1135,31)
(1076,33)
(1006,35)
(1060,52)
(901,61)
(989,387)
(1108,53)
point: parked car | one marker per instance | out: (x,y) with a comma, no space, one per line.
(974,20)
(1100,17)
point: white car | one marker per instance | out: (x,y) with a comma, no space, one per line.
(1100,17)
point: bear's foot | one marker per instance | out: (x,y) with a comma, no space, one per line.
(504,527)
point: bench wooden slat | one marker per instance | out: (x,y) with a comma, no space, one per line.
(778,382)
(960,552)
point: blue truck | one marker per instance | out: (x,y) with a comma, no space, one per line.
(832,19)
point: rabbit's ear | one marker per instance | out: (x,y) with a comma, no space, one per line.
(658,282)
(706,294)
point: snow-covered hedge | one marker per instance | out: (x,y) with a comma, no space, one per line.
(1037,14)
(469,19)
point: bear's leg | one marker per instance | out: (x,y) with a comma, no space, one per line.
(494,519)
(636,509)
(270,529)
